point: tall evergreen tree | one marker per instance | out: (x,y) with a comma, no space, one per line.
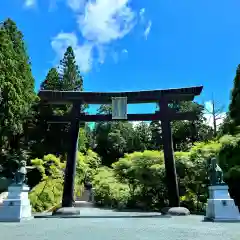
(52,81)
(234,107)
(69,73)
(17,90)
(16,80)
(54,136)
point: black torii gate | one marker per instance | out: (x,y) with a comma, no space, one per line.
(165,115)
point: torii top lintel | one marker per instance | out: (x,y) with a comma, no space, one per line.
(62,97)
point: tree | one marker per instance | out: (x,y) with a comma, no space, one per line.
(227,126)
(186,133)
(82,140)
(234,107)
(17,90)
(53,137)
(142,137)
(112,139)
(216,113)
(52,81)
(105,109)
(70,77)
(156,135)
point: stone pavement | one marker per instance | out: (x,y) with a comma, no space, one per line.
(110,225)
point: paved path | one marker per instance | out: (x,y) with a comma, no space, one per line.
(120,227)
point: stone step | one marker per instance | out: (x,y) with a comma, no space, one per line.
(83,204)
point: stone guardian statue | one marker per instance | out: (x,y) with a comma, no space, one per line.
(20,176)
(215,173)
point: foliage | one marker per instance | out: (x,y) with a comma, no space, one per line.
(235,99)
(49,166)
(108,191)
(82,140)
(156,135)
(203,150)
(112,140)
(142,137)
(51,137)
(4,183)
(229,153)
(227,126)
(144,175)
(16,81)
(69,73)
(186,133)
(87,165)
(52,81)
(17,94)
(46,194)
(230,163)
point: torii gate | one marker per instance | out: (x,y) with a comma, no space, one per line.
(165,115)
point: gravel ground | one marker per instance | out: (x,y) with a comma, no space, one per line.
(110,225)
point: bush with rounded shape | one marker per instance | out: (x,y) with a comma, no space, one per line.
(108,191)
(205,150)
(229,153)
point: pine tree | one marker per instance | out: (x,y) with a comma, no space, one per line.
(66,78)
(70,74)
(234,107)
(52,81)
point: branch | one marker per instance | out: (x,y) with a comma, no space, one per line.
(208,111)
(219,110)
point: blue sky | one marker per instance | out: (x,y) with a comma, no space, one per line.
(135,45)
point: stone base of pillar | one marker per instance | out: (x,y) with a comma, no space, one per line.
(175,211)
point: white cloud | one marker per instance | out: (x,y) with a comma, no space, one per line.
(83,52)
(76,5)
(141,14)
(209,117)
(30,3)
(100,22)
(106,20)
(148,29)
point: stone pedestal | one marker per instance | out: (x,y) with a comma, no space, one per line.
(17,205)
(220,206)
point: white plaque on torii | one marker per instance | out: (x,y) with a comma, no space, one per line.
(119,108)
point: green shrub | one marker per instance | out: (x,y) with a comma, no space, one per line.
(108,191)
(46,194)
(50,165)
(205,150)
(229,160)
(229,152)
